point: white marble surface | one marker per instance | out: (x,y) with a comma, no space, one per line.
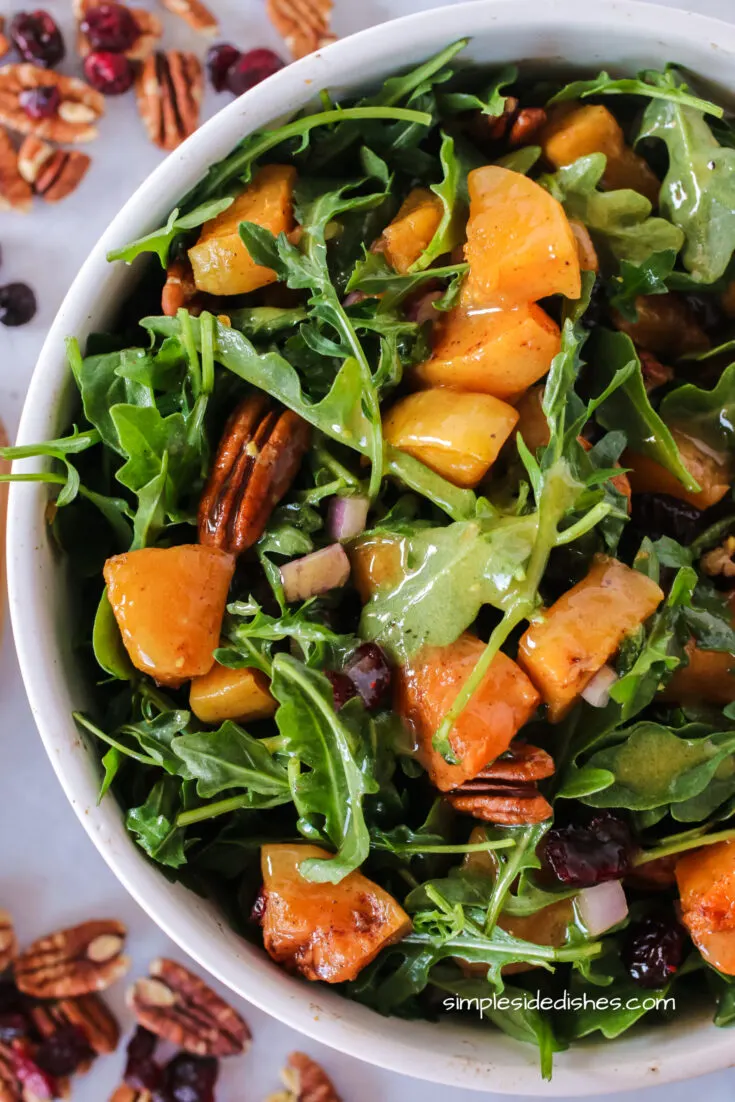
(50,874)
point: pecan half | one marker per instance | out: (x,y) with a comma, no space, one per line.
(15,194)
(180,289)
(720,561)
(195,13)
(304,24)
(73,962)
(526,126)
(501,804)
(74,120)
(305,1081)
(88,1013)
(655,373)
(179,1007)
(58,174)
(8,942)
(257,459)
(520,763)
(150,31)
(169,90)
(494,127)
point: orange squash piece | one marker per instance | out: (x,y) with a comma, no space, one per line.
(706,881)
(457,434)
(375,562)
(498,352)
(710,470)
(520,246)
(412,229)
(221,263)
(241,695)
(665,325)
(574,132)
(707,679)
(427,686)
(169,603)
(563,650)
(326,932)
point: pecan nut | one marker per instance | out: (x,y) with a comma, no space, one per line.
(720,561)
(73,962)
(181,1008)
(15,194)
(257,459)
(520,763)
(305,1081)
(74,120)
(8,942)
(150,31)
(303,24)
(195,13)
(526,126)
(180,290)
(88,1013)
(169,90)
(501,804)
(655,374)
(56,173)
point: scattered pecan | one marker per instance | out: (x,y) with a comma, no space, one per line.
(53,173)
(179,1007)
(720,561)
(305,1081)
(195,13)
(520,763)
(79,108)
(8,943)
(169,91)
(304,24)
(73,962)
(150,31)
(88,1013)
(259,454)
(502,804)
(32,155)
(526,126)
(180,289)
(15,194)
(655,373)
(494,127)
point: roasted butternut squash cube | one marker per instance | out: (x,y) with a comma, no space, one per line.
(665,325)
(426,688)
(563,650)
(169,603)
(221,263)
(375,562)
(520,246)
(326,932)
(574,132)
(706,881)
(498,352)
(711,471)
(412,229)
(242,695)
(457,434)
(707,679)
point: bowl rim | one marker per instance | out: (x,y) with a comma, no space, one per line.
(606,1071)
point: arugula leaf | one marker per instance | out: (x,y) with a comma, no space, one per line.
(154,824)
(490,101)
(629,408)
(450,230)
(642,85)
(160,241)
(332,747)
(707,415)
(230,758)
(109,649)
(521,160)
(645,278)
(619,220)
(264,322)
(612,1012)
(374,276)
(250,633)
(698,191)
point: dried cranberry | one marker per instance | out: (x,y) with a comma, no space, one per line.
(190,1078)
(369,672)
(141,1070)
(110,27)
(250,69)
(342,687)
(40,103)
(17,304)
(63,1052)
(257,911)
(37,38)
(653,949)
(34,1079)
(581,856)
(111,74)
(220,60)
(657,515)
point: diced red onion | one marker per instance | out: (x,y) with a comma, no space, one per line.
(346,517)
(422,309)
(597,691)
(316,573)
(601,907)
(353,298)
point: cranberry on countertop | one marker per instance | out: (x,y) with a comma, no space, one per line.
(220,59)
(111,74)
(110,27)
(63,1052)
(189,1078)
(40,103)
(342,687)
(37,38)
(369,672)
(653,949)
(17,304)
(250,69)
(141,1070)
(582,856)
(36,1082)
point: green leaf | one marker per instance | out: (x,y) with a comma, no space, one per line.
(109,649)
(329,770)
(618,220)
(374,276)
(706,415)
(645,278)
(159,241)
(521,160)
(629,408)
(698,191)
(642,85)
(230,758)
(321,646)
(105,381)
(450,231)
(156,736)
(490,101)
(154,824)
(584,781)
(264,322)
(611,1011)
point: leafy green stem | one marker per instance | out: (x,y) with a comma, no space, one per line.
(680,845)
(211,810)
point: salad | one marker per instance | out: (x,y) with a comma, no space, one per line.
(399,511)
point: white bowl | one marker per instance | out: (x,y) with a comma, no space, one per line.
(618,33)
